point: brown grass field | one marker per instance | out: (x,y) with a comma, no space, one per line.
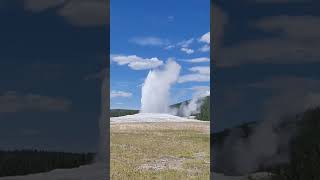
(168,151)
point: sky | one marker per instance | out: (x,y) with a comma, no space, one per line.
(266,60)
(53,53)
(50,55)
(145,34)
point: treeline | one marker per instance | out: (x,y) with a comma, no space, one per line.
(204,114)
(304,150)
(122,112)
(22,162)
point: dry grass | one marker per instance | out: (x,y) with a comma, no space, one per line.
(160,151)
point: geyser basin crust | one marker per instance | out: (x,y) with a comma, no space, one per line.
(150,118)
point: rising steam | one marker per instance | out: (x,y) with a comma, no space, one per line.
(193,106)
(156,88)
(156,92)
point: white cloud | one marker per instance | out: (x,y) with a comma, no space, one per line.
(187,50)
(205,38)
(136,62)
(201,90)
(148,41)
(200,74)
(205,48)
(11,102)
(194,78)
(201,69)
(169,47)
(198,60)
(115,94)
(186,43)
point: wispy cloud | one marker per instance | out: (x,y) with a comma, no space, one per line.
(149,41)
(198,60)
(187,50)
(205,48)
(201,69)
(200,74)
(201,90)
(137,63)
(115,94)
(171,46)
(194,78)
(186,43)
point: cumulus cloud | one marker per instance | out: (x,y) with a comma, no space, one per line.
(187,50)
(149,41)
(205,48)
(136,62)
(11,102)
(115,94)
(205,38)
(201,69)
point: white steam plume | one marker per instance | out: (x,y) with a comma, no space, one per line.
(193,106)
(156,88)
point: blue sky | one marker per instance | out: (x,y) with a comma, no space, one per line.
(156,29)
(267,59)
(48,51)
(55,57)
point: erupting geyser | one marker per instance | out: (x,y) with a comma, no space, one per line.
(156,88)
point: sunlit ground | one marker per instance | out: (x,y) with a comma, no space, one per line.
(168,150)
